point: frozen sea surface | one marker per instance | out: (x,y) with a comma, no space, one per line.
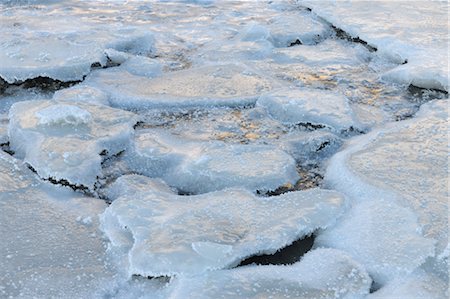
(149,149)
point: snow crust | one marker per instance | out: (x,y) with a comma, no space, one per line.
(161,233)
(200,167)
(423,44)
(321,273)
(63,140)
(296,106)
(397,177)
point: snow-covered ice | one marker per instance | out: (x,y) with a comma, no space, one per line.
(220,85)
(161,233)
(63,140)
(415,32)
(321,273)
(398,175)
(44,250)
(309,106)
(199,167)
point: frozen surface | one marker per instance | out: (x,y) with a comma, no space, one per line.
(199,167)
(162,233)
(398,170)
(303,106)
(221,85)
(417,285)
(423,44)
(64,48)
(322,273)
(63,140)
(50,246)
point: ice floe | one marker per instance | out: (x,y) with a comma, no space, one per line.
(161,233)
(321,273)
(63,140)
(309,106)
(199,167)
(220,85)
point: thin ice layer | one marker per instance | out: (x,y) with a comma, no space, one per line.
(220,85)
(309,106)
(321,273)
(63,140)
(422,44)
(161,233)
(403,167)
(50,244)
(199,167)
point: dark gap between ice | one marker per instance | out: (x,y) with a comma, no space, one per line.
(45,84)
(6,148)
(284,256)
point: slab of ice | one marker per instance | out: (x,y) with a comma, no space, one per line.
(162,233)
(50,243)
(199,167)
(423,44)
(309,106)
(321,273)
(62,140)
(401,169)
(220,85)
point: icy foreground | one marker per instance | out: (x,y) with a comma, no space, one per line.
(50,245)
(322,273)
(163,234)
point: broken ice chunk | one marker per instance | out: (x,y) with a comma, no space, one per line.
(165,234)
(63,141)
(309,106)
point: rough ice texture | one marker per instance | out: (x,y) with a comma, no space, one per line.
(62,45)
(199,167)
(418,285)
(62,140)
(161,233)
(82,93)
(423,44)
(221,85)
(303,106)
(50,243)
(401,169)
(321,273)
